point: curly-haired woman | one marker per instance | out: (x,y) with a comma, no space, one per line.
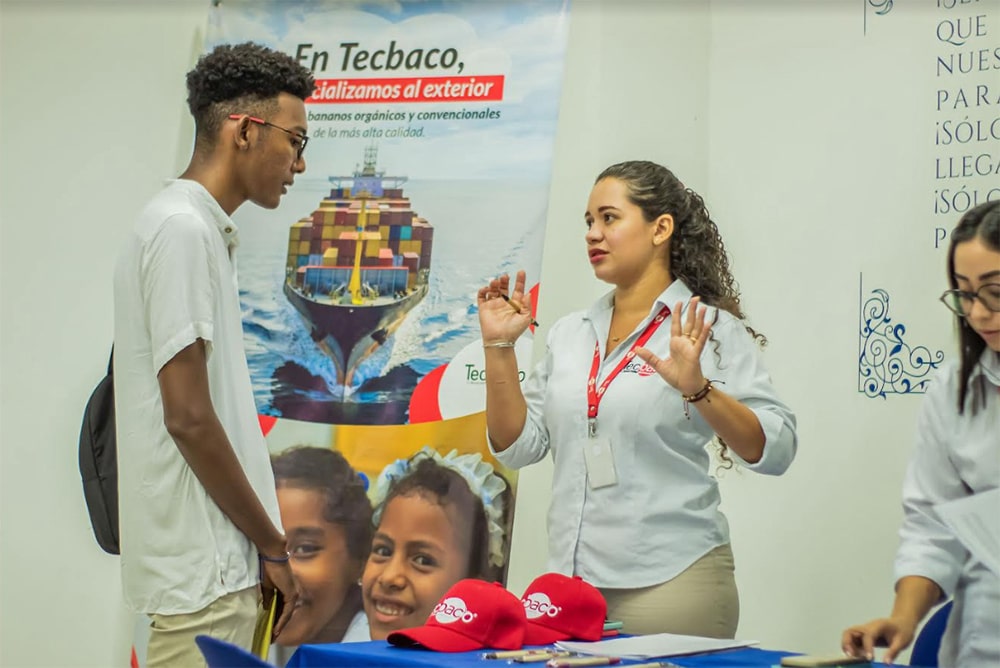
(628,396)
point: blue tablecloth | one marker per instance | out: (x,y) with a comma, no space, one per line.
(380,653)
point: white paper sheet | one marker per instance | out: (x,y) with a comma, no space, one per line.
(651,646)
(973,521)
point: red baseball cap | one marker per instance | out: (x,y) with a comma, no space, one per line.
(559,607)
(473,614)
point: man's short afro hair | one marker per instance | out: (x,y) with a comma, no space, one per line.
(248,70)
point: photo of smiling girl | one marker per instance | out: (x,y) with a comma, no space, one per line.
(327,518)
(439,520)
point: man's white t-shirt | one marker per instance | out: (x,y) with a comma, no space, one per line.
(174,283)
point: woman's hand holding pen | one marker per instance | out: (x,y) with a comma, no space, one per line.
(501,321)
(503,314)
(682,369)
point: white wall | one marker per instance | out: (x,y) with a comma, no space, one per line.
(93,118)
(821,168)
(803,170)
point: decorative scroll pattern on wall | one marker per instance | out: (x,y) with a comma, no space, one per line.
(881,7)
(887,364)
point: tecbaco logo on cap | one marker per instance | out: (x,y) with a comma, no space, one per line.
(538,604)
(453,609)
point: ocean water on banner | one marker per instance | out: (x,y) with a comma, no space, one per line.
(477,232)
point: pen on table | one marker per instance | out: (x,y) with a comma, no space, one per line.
(571,661)
(517,306)
(514,653)
(543,655)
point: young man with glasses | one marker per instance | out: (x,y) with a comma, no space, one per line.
(198,511)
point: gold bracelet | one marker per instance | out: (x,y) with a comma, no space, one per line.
(499,344)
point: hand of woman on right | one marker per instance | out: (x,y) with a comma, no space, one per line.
(500,319)
(862,639)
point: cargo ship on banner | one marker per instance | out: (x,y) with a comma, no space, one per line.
(358,265)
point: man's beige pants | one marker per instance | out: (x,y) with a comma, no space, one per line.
(230,618)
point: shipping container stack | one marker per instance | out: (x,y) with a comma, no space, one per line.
(397,244)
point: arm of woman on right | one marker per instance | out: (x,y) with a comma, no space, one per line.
(957,455)
(929,559)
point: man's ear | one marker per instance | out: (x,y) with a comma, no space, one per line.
(241,133)
(663,229)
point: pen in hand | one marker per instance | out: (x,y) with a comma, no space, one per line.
(517,307)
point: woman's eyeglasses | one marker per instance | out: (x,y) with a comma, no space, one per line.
(301,139)
(959,302)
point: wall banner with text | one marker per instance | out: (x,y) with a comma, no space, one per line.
(431,133)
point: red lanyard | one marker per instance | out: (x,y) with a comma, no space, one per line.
(595,392)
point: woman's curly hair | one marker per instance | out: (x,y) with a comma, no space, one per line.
(697,255)
(241,78)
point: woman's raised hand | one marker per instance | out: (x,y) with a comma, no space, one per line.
(504,314)
(682,370)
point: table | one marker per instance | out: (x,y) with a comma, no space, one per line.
(380,653)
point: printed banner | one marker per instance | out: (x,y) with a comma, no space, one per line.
(431,133)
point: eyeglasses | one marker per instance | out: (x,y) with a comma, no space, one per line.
(959,302)
(299,137)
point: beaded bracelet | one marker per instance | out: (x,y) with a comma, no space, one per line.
(698,396)
(276,560)
(499,344)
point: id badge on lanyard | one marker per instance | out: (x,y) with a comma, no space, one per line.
(598,454)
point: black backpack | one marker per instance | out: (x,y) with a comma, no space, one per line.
(99,462)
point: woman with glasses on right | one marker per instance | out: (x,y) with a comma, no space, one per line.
(957,455)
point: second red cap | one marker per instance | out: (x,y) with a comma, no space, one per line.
(559,607)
